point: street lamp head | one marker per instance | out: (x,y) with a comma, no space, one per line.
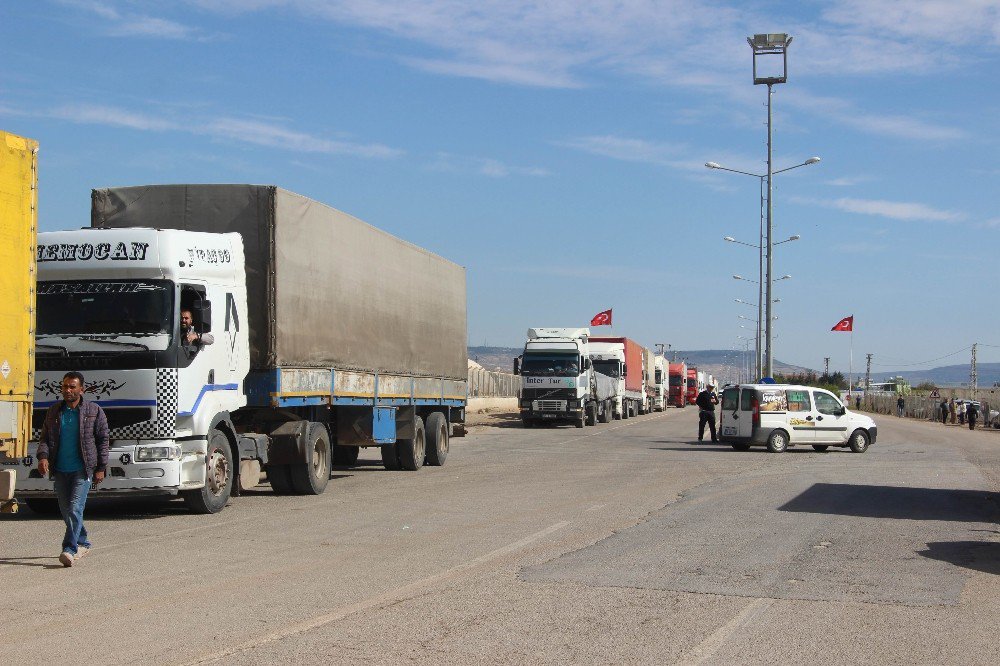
(729,239)
(770,45)
(716,165)
(738,277)
(794,238)
(785,277)
(812,160)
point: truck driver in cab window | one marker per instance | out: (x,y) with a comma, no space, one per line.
(190,337)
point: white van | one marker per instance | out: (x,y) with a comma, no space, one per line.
(783,415)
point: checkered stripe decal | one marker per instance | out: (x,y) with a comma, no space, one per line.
(164,425)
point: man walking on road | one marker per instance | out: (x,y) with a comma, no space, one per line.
(706,401)
(73,451)
(900,406)
(944,412)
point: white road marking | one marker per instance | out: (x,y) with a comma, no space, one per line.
(389,597)
(708,647)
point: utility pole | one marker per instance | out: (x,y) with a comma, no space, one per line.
(826,366)
(973,374)
(868,379)
(659,347)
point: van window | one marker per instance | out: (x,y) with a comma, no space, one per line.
(773,400)
(730,398)
(746,400)
(798,400)
(827,404)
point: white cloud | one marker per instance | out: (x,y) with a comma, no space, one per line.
(848,181)
(483,166)
(116,23)
(896,210)
(938,21)
(248,131)
(627,149)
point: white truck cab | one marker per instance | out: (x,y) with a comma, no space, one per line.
(781,415)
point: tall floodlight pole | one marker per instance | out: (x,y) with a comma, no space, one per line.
(775,44)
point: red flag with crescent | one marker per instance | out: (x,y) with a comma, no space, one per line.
(601,319)
(845,324)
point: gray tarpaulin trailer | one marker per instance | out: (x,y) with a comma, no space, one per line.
(342,315)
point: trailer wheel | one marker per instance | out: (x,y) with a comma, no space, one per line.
(605,414)
(214,495)
(626,409)
(437,439)
(413,451)
(390,456)
(280,479)
(345,455)
(43,506)
(591,411)
(311,477)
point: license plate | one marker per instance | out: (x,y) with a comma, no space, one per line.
(729,430)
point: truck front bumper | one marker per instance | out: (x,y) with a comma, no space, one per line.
(149,467)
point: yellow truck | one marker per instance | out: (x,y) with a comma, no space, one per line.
(18,221)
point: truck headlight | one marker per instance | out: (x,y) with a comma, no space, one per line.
(151,453)
(573,404)
(526,403)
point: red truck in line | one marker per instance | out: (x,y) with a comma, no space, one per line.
(632,390)
(678,384)
(692,385)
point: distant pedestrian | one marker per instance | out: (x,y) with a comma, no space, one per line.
(972,413)
(73,451)
(951,410)
(706,401)
(900,406)
(944,412)
(857,401)
(961,412)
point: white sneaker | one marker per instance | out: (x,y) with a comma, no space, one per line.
(66,558)
(81,551)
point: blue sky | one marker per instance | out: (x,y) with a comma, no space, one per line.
(557,149)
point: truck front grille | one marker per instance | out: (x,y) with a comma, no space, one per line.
(550,405)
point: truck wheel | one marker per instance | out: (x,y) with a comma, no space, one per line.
(527,423)
(390,456)
(859,441)
(43,506)
(213,496)
(280,479)
(777,442)
(437,439)
(591,413)
(580,422)
(605,414)
(345,455)
(311,477)
(626,410)
(413,451)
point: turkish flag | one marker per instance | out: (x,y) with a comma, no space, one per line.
(601,319)
(845,324)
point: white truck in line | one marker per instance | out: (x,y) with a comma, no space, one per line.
(559,382)
(661,383)
(329,335)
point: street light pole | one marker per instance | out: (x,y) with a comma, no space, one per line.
(768,351)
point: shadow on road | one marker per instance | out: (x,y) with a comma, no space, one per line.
(29,562)
(978,555)
(895,502)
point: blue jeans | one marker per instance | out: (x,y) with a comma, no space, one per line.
(71,491)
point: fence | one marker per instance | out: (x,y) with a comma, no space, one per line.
(493,384)
(923,407)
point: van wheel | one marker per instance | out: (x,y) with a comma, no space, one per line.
(859,441)
(740,446)
(437,439)
(821,447)
(219,477)
(777,442)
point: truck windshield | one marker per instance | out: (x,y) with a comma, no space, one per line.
(676,380)
(103,307)
(609,368)
(550,365)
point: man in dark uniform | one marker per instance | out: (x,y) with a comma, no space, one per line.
(706,401)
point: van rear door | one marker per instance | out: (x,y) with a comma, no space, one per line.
(748,397)
(728,420)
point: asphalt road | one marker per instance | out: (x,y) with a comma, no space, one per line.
(623,543)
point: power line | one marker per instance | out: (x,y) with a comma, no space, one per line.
(910,365)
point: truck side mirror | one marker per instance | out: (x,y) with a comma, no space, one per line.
(625,369)
(517,365)
(203,314)
(587,365)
